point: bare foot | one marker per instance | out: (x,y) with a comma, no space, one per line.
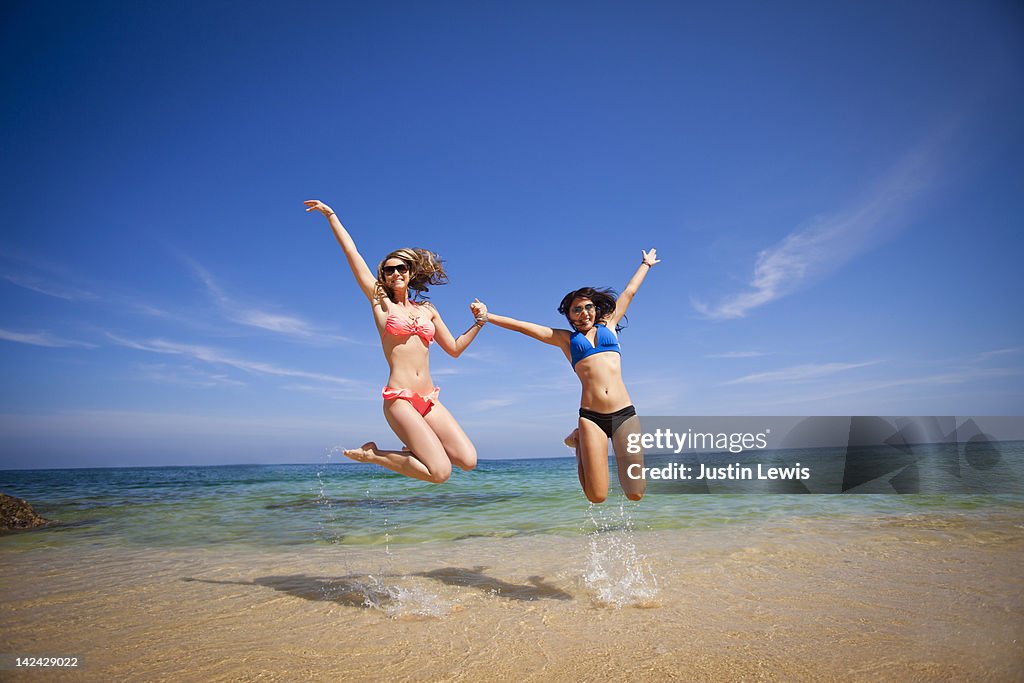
(363,454)
(573,439)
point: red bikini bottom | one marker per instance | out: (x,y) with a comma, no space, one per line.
(422,404)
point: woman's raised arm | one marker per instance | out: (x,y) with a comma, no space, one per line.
(647,261)
(547,335)
(452,346)
(365,278)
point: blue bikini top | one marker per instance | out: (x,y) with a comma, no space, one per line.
(580,347)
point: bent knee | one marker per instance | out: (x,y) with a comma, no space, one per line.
(468,462)
(634,496)
(595,497)
(464,458)
(439,475)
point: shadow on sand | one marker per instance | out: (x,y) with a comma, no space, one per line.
(353,591)
(536,589)
(365,591)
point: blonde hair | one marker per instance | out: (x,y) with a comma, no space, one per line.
(425,268)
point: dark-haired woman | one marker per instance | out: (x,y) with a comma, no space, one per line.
(434,440)
(606,411)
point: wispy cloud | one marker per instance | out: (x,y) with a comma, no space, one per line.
(212,355)
(828,243)
(39,275)
(986,355)
(492,403)
(737,354)
(45,286)
(563,382)
(42,339)
(335,393)
(798,373)
(259,318)
(956,382)
(133,424)
(486,356)
(283,324)
(190,377)
(884,388)
(51,279)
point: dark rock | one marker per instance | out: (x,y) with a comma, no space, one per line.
(16,513)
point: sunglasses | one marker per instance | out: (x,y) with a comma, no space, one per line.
(391,270)
(576,310)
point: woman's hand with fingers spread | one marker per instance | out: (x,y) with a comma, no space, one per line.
(317,205)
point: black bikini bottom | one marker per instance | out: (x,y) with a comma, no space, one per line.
(609,422)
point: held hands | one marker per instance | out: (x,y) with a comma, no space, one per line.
(649,258)
(479,310)
(317,205)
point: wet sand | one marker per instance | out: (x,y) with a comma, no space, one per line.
(921,598)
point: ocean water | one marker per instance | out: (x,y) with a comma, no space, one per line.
(347,504)
(337,571)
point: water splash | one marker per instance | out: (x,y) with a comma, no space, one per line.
(400,601)
(394,600)
(617,573)
(383,505)
(327,526)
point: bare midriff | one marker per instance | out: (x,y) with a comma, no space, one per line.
(409,360)
(601,377)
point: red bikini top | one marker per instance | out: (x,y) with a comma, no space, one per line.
(402,327)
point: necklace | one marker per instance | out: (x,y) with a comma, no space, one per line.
(412,313)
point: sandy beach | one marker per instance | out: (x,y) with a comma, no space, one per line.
(928,597)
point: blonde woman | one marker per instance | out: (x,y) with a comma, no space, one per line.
(433,440)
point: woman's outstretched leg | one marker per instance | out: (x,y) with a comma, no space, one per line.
(573,442)
(592,456)
(425,460)
(460,450)
(633,488)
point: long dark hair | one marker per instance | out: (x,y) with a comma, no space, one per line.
(604,302)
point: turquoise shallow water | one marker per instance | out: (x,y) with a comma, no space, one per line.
(284,506)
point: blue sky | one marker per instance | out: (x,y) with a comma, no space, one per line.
(835,190)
